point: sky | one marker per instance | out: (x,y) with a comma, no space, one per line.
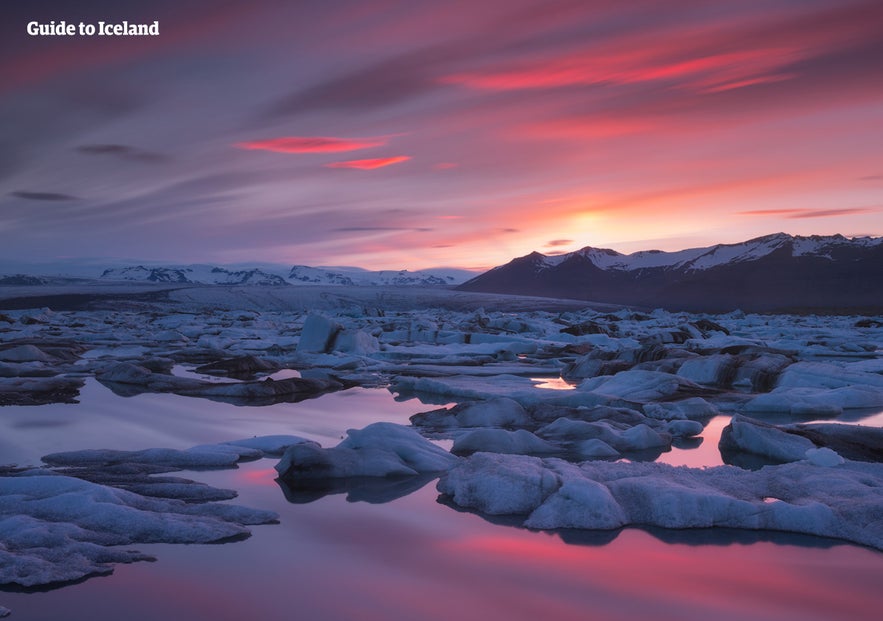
(394,134)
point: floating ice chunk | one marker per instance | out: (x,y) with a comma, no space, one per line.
(356,342)
(641,438)
(500,412)
(578,503)
(4,612)
(242,453)
(257,390)
(307,461)
(680,504)
(240,366)
(843,502)
(169,336)
(684,428)
(127,373)
(412,448)
(826,375)
(318,334)
(824,457)
(858,442)
(716,370)
(270,445)
(694,408)
(518,442)
(569,429)
(198,457)
(638,385)
(520,389)
(594,448)
(378,450)
(638,437)
(25,353)
(804,401)
(499,484)
(56,528)
(745,435)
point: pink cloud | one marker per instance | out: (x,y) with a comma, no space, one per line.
(370,164)
(311,144)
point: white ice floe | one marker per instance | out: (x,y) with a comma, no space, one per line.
(517,388)
(269,446)
(683,428)
(322,335)
(318,334)
(842,501)
(518,442)
(594,448)
(745,435)
(378,450)
(623,438)
(712,370)
(499,412)
(806,401)
(694,408)
(57,528)
(24,353)
(223,455)
(499,484)
(826,375)
(638,385)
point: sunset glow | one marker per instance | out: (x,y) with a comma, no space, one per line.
(487,130)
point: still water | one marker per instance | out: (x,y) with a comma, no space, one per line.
(414,558)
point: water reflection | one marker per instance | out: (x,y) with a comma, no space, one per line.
(390,550)
(374,490)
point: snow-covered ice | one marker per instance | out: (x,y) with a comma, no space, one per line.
(378,450)
(56,528)
(841,501)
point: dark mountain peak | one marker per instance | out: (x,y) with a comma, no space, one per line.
(771,272)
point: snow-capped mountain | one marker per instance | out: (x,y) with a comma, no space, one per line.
(297,275)
(766,273)
(302,274)
(195,274)
(720,254)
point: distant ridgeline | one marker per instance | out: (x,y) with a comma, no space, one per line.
(773,273)
(298,275)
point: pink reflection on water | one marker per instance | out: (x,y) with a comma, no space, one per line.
(264,476)
(699,454)
(733,581)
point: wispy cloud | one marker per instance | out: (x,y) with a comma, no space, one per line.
(311,144)
(827,213)
(558,242)
(809,213)
(123,152)
(360,229)
(370,164)
(43,196)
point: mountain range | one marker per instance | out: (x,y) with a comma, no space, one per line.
(297,275)
(772,273)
